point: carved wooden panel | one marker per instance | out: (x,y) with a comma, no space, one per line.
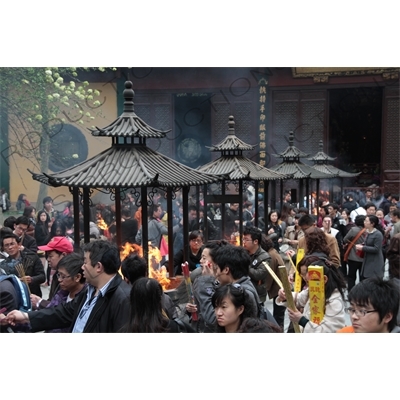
(392,151)
(311,129)
(284,121)
(243,122)
(220,117)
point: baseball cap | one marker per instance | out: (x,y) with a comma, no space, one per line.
(58,243)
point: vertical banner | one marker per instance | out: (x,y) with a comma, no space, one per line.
(316,289)
(262,129)
(297,279)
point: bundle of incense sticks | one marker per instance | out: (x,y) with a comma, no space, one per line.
(21,272)
(186,274)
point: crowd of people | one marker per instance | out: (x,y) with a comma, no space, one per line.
(92,290)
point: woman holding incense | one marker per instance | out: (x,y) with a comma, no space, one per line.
(334,286)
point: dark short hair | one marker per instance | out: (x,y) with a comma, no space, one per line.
(234,257)
(134,267)
(306,220)
(335,206)
(153,208)
(22,220)
(195,235)
(104,252)
(395,213)
(5,231)
(214,245)
(370,204)
(359,220)
(9,222)
(9,236)
(382,295)
(258,325)
(254,232)
(47,199)
(73,263)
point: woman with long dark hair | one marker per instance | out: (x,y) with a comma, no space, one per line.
(274,228)
(147,315)
(42,231)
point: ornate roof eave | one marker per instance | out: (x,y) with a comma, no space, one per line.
(240,167)
(321,157)
(291,152)
(231,142)
(128,124)
(321,164)
(300,171)
(338,173)
(128,166)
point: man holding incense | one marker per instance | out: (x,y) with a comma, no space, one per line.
(103,308)
(22,263)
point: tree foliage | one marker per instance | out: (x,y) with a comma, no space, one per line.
(35,101)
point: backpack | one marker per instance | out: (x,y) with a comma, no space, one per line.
(22,291)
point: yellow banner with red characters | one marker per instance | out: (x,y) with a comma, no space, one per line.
(316,290)
(297,279)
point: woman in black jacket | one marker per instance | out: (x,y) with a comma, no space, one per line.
(42,232)
(274,229)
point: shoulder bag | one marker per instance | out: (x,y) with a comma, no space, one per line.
(352,243)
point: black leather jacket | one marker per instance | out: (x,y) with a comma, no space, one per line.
(109,315)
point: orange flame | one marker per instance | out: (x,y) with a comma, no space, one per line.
(130,248)
(234,239)
(237,241)
(101,224)
(155,270)
(161,276)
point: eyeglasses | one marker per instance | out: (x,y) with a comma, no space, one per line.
(359,313)
(197,241)
(62,277)
(21,229)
